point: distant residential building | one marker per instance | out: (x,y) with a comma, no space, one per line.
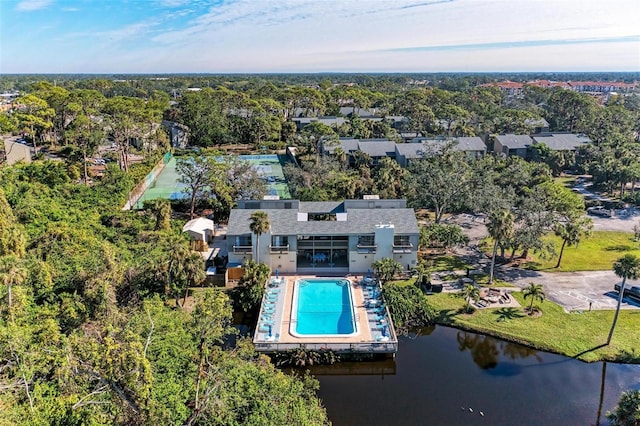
(600,87)
(561,141)
(510,144)
(473,146)
(178,133)
(331,121)
(539,125)
(513,89)
(377,149)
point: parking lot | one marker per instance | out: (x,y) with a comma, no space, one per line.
(574,291)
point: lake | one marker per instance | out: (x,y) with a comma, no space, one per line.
(441,373)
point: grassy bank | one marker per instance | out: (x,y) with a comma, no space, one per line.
(577,335)
(595,253)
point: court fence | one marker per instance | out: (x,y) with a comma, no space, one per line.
(136,193)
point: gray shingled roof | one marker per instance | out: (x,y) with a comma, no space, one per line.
(536,122)
(562,141)
(464,143)
(514,141)
(410,150)
(470,143)
(328,120)
(359,221)
(347,145)
(321,207)
(378,148)
(432,146)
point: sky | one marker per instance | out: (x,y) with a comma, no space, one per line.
(290,36)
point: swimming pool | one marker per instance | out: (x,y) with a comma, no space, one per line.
(323,307)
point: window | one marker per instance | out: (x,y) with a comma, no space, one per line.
(402,241)
(279,241)
(366,241)
(243,240)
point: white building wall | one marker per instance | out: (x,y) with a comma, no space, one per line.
(360,262)
(384,240)
(238,257)
(263,248)
(407,260)
(283,262)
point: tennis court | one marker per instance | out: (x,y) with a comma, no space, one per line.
(268,167)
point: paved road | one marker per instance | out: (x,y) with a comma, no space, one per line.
(571,290)
(15,151)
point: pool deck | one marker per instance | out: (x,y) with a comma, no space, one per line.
(280,338)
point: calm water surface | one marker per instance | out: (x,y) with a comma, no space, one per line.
(438,375)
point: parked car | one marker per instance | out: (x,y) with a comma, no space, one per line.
(632,292)
(599,211)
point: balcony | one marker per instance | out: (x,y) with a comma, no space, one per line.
(403,248)
(278,249)
(367,248)
(242,249)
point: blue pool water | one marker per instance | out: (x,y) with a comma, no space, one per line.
(324,307)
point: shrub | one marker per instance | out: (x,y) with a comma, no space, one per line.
(408,306)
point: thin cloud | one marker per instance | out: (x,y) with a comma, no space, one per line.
(31,5)
(249,13)
(173,3)
(129,31)
(513,44)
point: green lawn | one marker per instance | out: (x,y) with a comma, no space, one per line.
(595,253)
(578,335)
(448,263)
(567,181)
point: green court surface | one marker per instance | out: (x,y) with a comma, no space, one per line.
(269,167)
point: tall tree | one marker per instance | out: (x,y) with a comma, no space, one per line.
(127,118)
(34,117)
(500,228)
(628,266)
(259,224)
(160,209)
(82,109)
(202,176)
(12,273)
(440,182)
(572,232)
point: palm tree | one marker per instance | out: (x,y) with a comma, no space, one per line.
(628,266)
(386,268)
(252,284)
(11,273)
(469,292)
(194,273)
(572,232)
(535,291)
(259,224)
(160,209)
(500,228)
